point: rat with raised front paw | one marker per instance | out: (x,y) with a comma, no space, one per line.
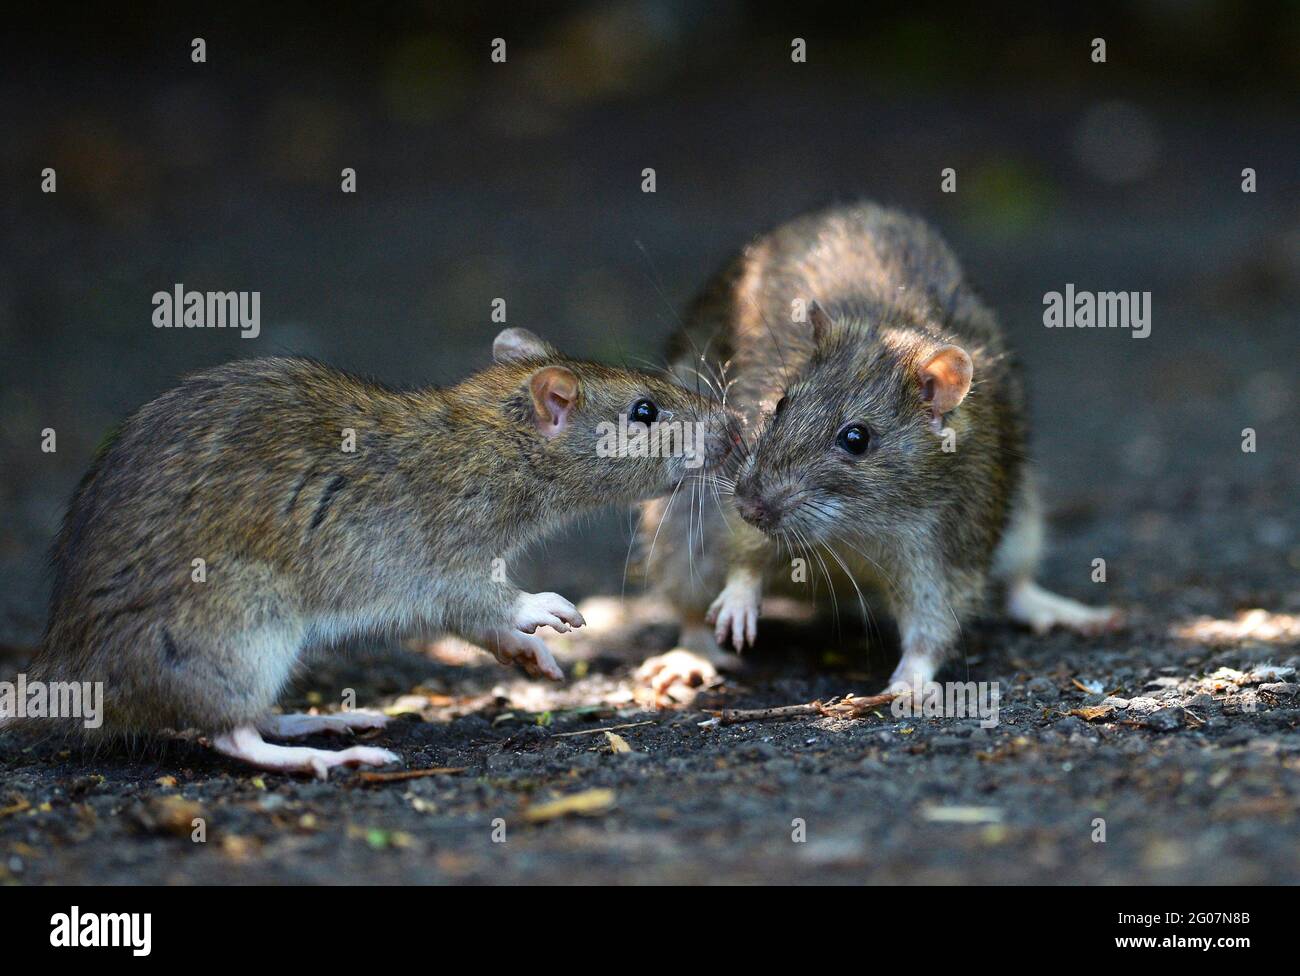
(888,430)
(269,505)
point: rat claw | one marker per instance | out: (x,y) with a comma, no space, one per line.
(735,615)
(534,610)
(525,650)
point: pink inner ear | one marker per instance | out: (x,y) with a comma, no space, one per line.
(559,409)
(945,379)
(555,393)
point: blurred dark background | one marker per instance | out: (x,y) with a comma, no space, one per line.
(522,180)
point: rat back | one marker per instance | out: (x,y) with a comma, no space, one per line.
(864,262)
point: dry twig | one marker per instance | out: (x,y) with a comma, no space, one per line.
(850,706)
(604,728)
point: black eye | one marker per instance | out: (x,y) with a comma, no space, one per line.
(781,405)
(854,438)
(643,412)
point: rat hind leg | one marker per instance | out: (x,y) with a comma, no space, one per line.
(232,678)
(246,744)
(294,725)
(1041,610)
(1016,562)
(262,677)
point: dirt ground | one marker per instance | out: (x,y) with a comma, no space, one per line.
(1181,733)
(1188,751)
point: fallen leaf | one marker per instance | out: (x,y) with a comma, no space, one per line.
(17,804)
(588,803)
(168,815)
(617,743)
(1092,713)
(407,705)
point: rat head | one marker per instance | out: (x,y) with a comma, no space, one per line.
(609,434)
(856,445)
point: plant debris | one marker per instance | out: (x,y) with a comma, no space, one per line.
(849,706)
(588,803)
(617,743)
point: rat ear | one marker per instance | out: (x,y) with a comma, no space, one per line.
(820,320)
(514,344)
(555,395)
(945,379)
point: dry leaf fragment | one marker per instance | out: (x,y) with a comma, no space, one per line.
(588,803)
(171,814)
(17,804)
(407,705)
(1091,713)
(617,743)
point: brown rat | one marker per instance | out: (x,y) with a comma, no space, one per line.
(888,429)
(303,541)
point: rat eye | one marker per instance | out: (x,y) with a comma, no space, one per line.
(854,438)
(643,412)
(781,405)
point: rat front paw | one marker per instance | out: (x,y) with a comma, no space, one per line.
(734,615)
(524,650)
(534,610)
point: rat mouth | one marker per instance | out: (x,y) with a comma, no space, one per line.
(789,513)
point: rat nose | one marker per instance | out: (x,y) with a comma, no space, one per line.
(757,510)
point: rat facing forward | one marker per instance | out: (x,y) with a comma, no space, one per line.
(888,437)
(269,505)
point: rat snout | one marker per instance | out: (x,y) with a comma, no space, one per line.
(756,512)
(761,509)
